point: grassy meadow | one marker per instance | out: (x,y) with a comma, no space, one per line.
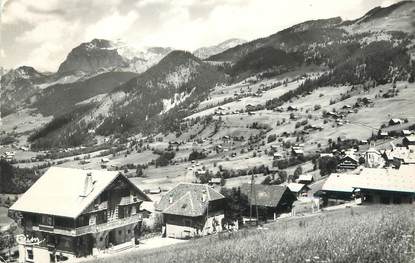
(359,234)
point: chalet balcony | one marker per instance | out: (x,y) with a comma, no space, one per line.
(90,229)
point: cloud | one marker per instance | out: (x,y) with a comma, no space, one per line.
(42,33)
(112,27)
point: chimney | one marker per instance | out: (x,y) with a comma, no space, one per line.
(171,199)
(88,185)
(204,197)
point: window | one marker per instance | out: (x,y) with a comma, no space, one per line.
(119,232)
(129,231)
(46,220)
(101,239)
(187,222)
(30,254)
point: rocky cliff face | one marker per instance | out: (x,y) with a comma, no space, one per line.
(16,86)
(92,57)
(102,55)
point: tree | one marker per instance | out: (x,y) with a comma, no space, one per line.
(139,172)
(298,171)
(236,204)
(327,165)
(271,138)
(7,240)
(195,155)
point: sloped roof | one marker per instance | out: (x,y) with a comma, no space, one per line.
(58,192)
(187,199)
(305,177)
(343,182)
(264,195)
(349,157)
(295,187)
(398,180)
(410,138)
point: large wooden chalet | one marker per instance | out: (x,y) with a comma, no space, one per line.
(373,185)
(191,210)
(71,213)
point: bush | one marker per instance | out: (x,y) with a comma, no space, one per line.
(195,155)
(272,138)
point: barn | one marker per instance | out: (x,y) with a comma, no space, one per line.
(271,200)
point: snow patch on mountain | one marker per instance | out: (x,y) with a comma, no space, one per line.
(176,99)
(205,52)
(182,74)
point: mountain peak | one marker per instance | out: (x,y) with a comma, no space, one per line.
(206,52)
(396,17)
(91,57)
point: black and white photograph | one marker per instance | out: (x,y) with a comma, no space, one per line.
(207,131)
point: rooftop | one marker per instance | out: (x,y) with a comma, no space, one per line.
(264,195)
(398,180)
(61,191)
(188,199)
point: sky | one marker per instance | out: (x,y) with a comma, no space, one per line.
(41,33)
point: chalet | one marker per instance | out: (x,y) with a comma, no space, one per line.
(406,132)
(297,151)
(305,179)
(387,186)
(373,158)
(395,121)
(346,107)
(298,189)
(292,108)
(191,210)
(333,114)
(408,140)
(278,109)
(339,186)
(70,213)
(271,200)
(383,134)
(277,156)
(215,181)
(348,162)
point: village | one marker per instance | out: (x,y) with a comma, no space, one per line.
(135,132)
(192,189)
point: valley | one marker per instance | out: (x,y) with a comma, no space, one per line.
(295,110)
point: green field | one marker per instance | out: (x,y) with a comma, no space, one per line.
(359,234)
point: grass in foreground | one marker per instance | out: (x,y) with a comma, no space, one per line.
(362,234)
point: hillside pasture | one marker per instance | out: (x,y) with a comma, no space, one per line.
(358,234)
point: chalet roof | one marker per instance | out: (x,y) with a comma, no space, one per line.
(397,180)
(215,180)
(295,187)
(305,177)
(60,192)
(410,138)
(343,182)
(350,157)
(264,195)
(186,199)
